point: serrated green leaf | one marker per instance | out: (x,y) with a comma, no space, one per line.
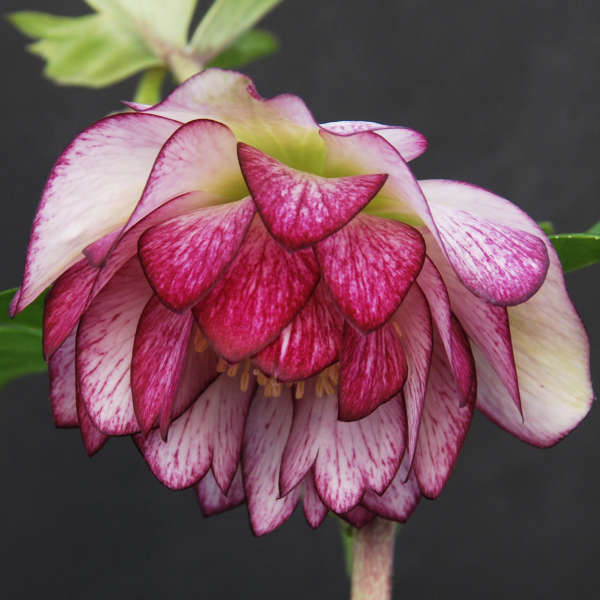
(576,250)
(20,339)
(150,85)
(595,229)
(252,45)
(547,227)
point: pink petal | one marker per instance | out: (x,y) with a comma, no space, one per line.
(358,517)
(445,419)
(159,350)
(314,509)
(308,344)
(92,189)
(209,432)
(369,266)
(61,368)
(410,144)
(259,294)
(104,348)
(211,498)
(267,429)
(97,251)
(299,208)
(372,370)
(65,304)
(93,439)
(184,256)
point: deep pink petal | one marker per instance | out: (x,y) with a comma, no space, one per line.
(267,429)
(314,509)
(372,370)
(211,498)
(446,419)
(104,348)
(299,208)
(159,350)
(97,251)
(258,295)
(61,368)
(185,255)
(308,344)
(369,266)
(92,189)
(358,517)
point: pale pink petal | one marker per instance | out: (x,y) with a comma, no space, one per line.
(257,296)
(308,344)
(446,418)
(267,429)
(358,517)
(92,189)
(104,348)
(369,266)
(372,369)
(61,368)
(314,509)
(300,208)
(211,498)
(184,256)
(159,350)
(93,439)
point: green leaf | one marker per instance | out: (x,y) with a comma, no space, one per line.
(252,45)
(20,339)
(595,229)
(224,22)
(547,227)
(577,250)
(150,85)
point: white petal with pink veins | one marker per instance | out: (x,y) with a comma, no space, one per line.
(211,498)
(61,368)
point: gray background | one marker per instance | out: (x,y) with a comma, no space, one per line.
(507,93)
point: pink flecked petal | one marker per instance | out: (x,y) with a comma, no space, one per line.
(267,429)
(369,266)
(97,251)
(400,498)
(61,368)
(65,304)
(372,370)
(258,295)
(308,344)
(92,189)
(185,255)
(104,348)
(314,509)
(93,439)
(209,432)
(358,517)
(211,498)
(299,208)
(159,350)
(445,419)
(413,324)
(409,143)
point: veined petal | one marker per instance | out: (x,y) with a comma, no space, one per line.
(184,256)
(299,208)
(267,429)
(257,296)
(446,419)
(93,439)
(314,509)
(308,344)
(369,266)
(104,349)
(211,498)
(409,143)
(159,350)
(92,189)
(372,370)
(358,517)
(61,368)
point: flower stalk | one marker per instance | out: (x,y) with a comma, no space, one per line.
(373,561)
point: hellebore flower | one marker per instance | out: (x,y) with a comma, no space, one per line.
(278,312)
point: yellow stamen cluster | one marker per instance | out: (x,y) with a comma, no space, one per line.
(328,380)
(200,342)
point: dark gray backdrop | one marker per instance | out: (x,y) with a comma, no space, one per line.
(507,93)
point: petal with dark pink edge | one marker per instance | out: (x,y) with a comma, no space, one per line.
(413,324)
(502,264)
(159,350)
(372,369)
(65,304)
(104,348)
(369,266)
(400,498)
(308,344)
(61,368)
(209,432)
(93,439)
(300,208)
(92,189)
(314,509)
(258,295)
(97,251)
(267,429)
(358,517)
(409,143)
(211,498)
(446,419)
(184,256)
